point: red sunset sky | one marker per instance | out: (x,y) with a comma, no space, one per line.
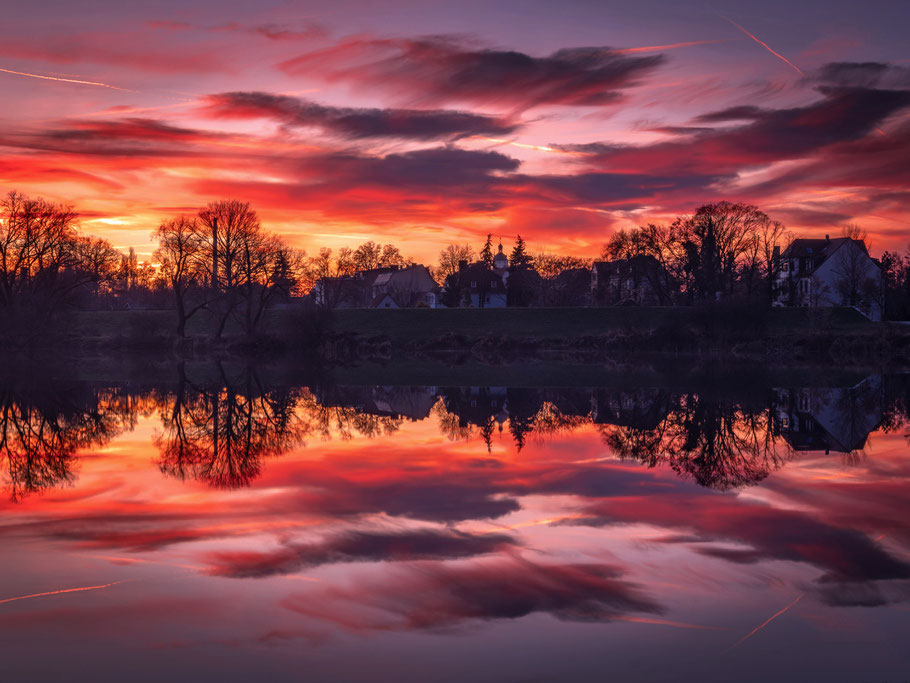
(425,123)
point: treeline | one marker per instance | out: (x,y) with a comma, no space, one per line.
(222,261)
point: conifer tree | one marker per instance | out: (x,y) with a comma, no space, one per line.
(520,258)
(486,254)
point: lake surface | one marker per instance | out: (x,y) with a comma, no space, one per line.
(217,526)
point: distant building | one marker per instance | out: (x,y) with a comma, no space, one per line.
(571,288)
(409,287)
(640,280)
(389,287)
(478,286)
(826,272)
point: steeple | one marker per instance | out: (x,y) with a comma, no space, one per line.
(500,261)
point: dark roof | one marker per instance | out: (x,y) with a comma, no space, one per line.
(806,248)
(478,272)
(639,264)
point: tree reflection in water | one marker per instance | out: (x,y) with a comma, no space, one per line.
(44,423)
(220,432)
(220,429)
(719,444)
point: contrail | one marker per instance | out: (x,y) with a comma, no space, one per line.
(664,622)
(765,623)
(65,590)
(66,80)
(766,46)
(671,46)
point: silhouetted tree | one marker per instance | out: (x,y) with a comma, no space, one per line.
(520,258)
(712,244)
(45,264)
(486,253)
(451,256)
(182,253)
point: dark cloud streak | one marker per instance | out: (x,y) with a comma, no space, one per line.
(412,124)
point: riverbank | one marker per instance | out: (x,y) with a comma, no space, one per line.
(502,336)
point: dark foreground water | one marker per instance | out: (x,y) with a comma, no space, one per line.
(230,529)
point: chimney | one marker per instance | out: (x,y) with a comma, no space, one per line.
(462,265)
(827,239)
(775,257)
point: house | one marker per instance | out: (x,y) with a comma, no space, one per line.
(829,272)
(409,287)
(572,287)
(479,286)
(640,280)
(388,287)
(348,291)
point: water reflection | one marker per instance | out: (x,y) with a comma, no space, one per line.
(43,424)
(220,428)
(221,509)
(219,432)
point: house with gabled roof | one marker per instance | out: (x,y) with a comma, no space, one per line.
(405,288)
(829,272)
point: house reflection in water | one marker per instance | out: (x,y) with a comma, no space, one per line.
(837,419)
(411,403)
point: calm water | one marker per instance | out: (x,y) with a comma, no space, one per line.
(227,529)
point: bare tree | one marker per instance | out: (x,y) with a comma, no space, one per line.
(329,275)
(229,226)
(711,246)
(182,251)
(45,264)
(450,257)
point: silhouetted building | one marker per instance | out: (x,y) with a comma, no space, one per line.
(640,280)
(411,287)
(826,272)
(479,286)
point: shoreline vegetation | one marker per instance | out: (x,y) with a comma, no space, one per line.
(304,335)
(707,287)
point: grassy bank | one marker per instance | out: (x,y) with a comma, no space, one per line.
(403,325)
(502,336)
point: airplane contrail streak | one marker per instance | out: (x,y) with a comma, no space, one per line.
(65,80)
(665,622)
(766,46)
(671,46)
(65,590)
(765,623)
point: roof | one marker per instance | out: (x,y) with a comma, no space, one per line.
(805,248)
(643,263)
(412,279)
(478,272)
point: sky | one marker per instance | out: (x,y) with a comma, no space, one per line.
(428,123)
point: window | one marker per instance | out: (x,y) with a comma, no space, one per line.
(493,284)
(473,284)
(784,266)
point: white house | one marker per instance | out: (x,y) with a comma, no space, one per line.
(826,272)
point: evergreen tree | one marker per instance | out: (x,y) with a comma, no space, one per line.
(486,254)
(520,258)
